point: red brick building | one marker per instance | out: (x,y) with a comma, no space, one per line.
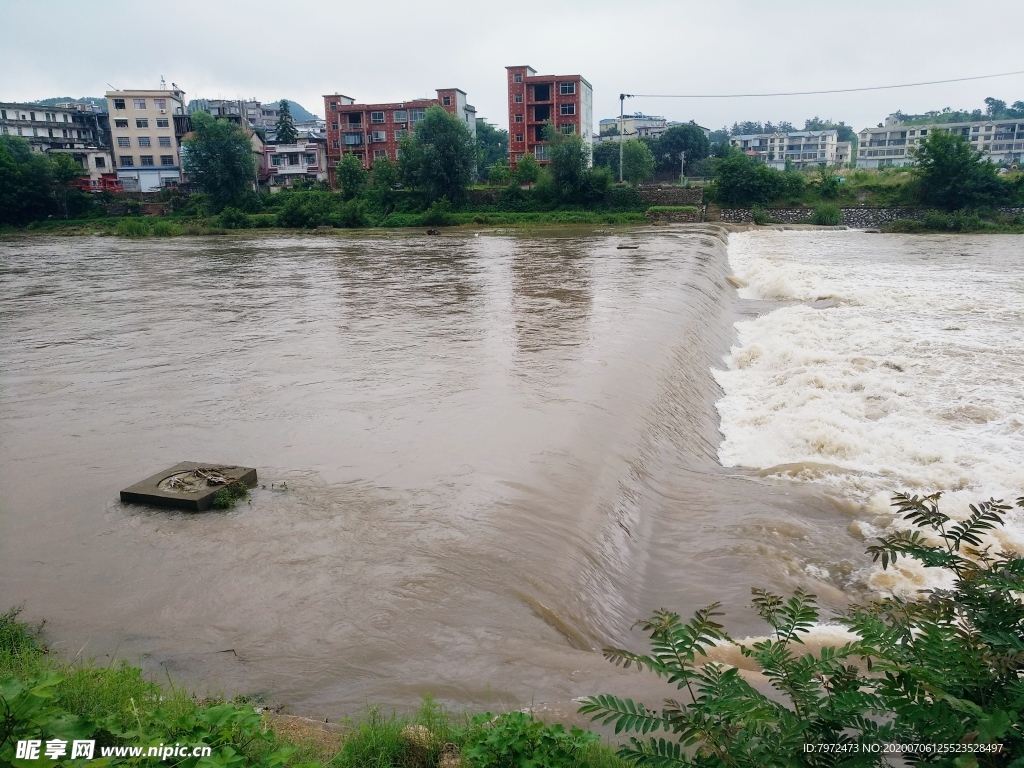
(567,101)
(374,130)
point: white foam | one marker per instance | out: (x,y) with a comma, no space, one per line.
(912,380)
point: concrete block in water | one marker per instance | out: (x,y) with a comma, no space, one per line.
(182,487)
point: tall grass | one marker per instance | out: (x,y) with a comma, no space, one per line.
(132,228)
(826,215)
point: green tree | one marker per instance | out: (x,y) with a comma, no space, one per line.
(439,157)
(637,162)
(944,668)
(606,154)
(34,186)
(952,175)
(527,170)
(491,146)
(499,174)
(285,130)
(350,176)
(219,159)
(676,140)
(569,160)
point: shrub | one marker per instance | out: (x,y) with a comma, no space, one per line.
(944,669)
(308,209)
(226,497)
(760,216)
(624,199)
(166,229)
(439,214)
(517,740)
(232,218)
(132,228)
(826,215)
(262,220)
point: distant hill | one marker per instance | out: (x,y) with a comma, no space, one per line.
(299,114)
(98,101)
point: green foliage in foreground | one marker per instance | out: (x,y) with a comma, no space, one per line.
(959,222)
(44,697)
(945,669)
(826,215)
(226,497)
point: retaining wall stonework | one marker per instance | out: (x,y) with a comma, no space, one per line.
(856,218)
(675,217)
(655,195)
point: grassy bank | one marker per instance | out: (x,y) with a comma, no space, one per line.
(45,696)
(968,222)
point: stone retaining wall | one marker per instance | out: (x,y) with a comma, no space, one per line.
(675,217)
(655,195)
(856,218)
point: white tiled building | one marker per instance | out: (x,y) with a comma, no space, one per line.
(305,159)
(803,149)
(146,150)
(1002,141)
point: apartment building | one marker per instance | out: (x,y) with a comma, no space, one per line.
(1001,141)
(639,126)
(370,131)
(67,126)
(287,163)
(565,101)
(145,141)
(803,149)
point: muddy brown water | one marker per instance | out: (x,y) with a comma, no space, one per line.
(481,459)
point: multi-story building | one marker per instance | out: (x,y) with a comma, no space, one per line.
(844,152)
(802,149)
(374,130)
(1001,141)
(146,137)
(639,126)
(286,163)
(564,101)
(67,126)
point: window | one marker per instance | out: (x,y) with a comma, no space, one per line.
(352,139)
(518,98)
(446,101)
(334,126)
(146,160)
(101,163)
(519,137)
(519,118)
(139,103)
(541,152)
(164,141)
(166,159)
(542,92)
(126,161)
(124,141)
(378,136)
(162,122)
(379,153)
(567,89)
(118,103)
(568,109)
(159,103)
(3,114)
(277,161)
(376,117)
(336,144)
(293,159)
(400,133)
(415,115)
(141,122)
(120,123)
(400,116)
(310,159)
(517,78)
(519,156)
(144,141)
(567,128)
(334,105)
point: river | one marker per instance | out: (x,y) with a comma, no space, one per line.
(482,456)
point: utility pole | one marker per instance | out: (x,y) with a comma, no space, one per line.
(622,130)
(682,167)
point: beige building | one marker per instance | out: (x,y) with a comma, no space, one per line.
(147,153)
(803,149)
(1001,141)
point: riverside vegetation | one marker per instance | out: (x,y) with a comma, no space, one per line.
(431,187)
(938,679)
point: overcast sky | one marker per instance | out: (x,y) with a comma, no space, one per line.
(394,50)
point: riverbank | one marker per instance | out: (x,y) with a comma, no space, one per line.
(48,696)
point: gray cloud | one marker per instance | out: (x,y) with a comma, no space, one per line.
(396,50)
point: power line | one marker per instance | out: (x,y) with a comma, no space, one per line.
(810,93)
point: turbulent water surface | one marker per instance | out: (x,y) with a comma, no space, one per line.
(481,458)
